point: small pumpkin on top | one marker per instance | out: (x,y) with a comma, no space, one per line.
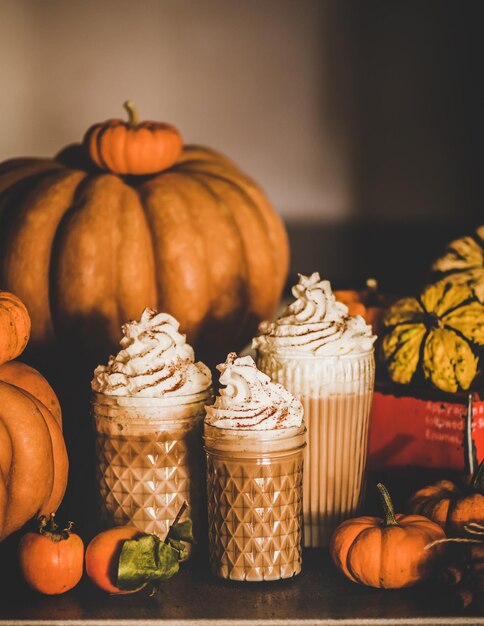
(133,147)
(389,553)
(437,334)
(450,505)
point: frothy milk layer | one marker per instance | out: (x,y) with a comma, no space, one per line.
(315,323)
(250,401)
(154,361)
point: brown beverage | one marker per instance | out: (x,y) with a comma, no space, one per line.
(150,459)
(148,406)
(336,392)
(254,483)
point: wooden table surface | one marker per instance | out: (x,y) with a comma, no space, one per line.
(319,595)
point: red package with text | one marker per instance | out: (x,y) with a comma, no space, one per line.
(419,432)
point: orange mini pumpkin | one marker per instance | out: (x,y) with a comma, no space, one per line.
(132,147)
(14,326)
(387,553)
(368,303)
(451,506)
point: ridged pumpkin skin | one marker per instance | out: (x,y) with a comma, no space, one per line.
(32,381)
(199,241)
(131,147)
(386,553)
(438,335)
(463,262)
(14,326)
(33,459)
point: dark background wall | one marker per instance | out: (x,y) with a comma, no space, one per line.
(405,84)
(361,119)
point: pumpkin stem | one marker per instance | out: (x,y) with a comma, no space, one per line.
(478,481)
(48,528)
(387,504)
(132,113)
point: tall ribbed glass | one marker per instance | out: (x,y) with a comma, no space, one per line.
(336,393)
(254,484)
(150,459)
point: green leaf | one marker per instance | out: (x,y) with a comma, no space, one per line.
(179,548)
(183,531)
(146,560)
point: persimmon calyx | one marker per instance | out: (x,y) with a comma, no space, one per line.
(48,528)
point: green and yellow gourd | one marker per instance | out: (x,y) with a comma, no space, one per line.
(437,335)
(463,262)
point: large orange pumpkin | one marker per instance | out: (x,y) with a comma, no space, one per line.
(87,250)
(33,458)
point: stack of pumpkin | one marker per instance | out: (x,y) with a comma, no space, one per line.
(128,220)
(33,457)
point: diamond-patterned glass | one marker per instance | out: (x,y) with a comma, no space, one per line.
(147,469)
(255,516)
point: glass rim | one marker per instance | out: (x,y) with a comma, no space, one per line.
(99,397)
(312,356)
(258,433)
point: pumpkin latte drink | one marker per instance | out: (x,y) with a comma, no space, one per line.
(324,356)
(148,406)
(254,440)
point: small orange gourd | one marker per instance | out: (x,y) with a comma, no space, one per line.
(133,147)
(451,506)
(14,326)
(388,553)
(368,303)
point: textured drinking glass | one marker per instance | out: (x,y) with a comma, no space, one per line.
(150,459)
(254,481)
(336,393)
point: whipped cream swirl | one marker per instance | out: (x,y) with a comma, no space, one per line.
(155,360)
(250,401)
(315,323)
